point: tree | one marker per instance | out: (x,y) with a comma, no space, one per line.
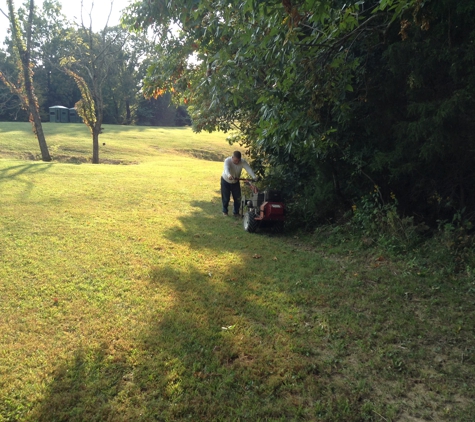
(50,44)
(90,63)
(272,70)
(121,90)
(161,112)
(24,88)
(330,93)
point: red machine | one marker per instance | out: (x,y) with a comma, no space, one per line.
(263,209)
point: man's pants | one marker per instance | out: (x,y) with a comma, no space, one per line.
(226,190)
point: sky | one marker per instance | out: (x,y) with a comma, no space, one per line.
(72,9)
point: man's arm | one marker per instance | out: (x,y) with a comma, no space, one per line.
(247,167)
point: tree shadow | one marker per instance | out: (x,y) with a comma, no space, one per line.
(212,356)
(15,172)
(230,344)
(222,350)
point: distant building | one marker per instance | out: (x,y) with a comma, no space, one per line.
(61,114)
(74,117)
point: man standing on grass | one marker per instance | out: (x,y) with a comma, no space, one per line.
(230,181)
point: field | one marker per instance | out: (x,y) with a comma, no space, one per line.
(126,296)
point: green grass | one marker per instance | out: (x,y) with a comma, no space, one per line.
(123,144)
(126,296)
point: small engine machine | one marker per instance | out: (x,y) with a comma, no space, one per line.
(264,208)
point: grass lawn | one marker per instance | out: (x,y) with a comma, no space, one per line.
(126,296)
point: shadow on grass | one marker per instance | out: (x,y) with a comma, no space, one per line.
(232,345)
(143,128)
(15,172)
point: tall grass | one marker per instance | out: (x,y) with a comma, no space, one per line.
(127,296)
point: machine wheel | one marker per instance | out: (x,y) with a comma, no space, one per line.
(278,227)
(250,225)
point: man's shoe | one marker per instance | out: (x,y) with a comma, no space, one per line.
(236,215)
(225,214)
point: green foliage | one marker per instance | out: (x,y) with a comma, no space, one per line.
(344,90)
(373,215)
(379,221)
(456,251)
(21,77)
(54,39)
(161,112)
(85,107)
(309,195)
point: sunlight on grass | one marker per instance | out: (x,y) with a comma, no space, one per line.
(127,296)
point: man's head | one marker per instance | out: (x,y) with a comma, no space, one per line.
(236,157)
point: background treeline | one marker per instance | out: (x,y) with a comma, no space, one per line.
(55,40)
(361,108)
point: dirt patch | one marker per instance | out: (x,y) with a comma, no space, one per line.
(27,156)
(196,153)
(69,159)
(205,155)
(119,162)
(81,160)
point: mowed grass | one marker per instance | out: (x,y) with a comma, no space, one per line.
(72,143)
(126,296)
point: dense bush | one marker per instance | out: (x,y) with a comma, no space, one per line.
(333,97)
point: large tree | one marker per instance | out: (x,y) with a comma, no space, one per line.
(49,43)
(334,94)
(24,87)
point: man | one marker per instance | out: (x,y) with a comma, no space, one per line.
(230,181)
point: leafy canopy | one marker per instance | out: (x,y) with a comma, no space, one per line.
(329,93)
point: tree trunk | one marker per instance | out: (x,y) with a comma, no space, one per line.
(95,144)
(128,116)
(35,118)
(24,52)
(97,130)
(30,89)
(33,109)
(99,107)
(38,129)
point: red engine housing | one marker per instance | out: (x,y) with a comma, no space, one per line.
(272,211)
